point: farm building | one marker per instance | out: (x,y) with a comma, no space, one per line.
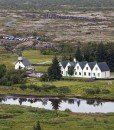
(85,69)
(23,63)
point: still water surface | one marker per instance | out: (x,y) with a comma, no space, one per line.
(73,104)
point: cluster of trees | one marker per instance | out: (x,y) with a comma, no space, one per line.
(11,77)
(54,71)
(96,52)
(93,52)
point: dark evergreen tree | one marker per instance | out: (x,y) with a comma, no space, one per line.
(71,70)
(54,71)
(101,52)
(64,58)
(70,58)
(2,70)
(78,54)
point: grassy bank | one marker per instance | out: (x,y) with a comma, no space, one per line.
(96,89)
(24,118)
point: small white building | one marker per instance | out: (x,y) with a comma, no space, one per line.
(23,63)
(85,69)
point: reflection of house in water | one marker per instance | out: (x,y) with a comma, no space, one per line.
(44,101)
(94,102)
(71,101)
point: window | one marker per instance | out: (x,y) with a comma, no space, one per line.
(86,68)
(98,74)
(96,68)
(77,67)
(93,74)
(79,73)
(89,74)
(75,73)
(61,72)
(84,73)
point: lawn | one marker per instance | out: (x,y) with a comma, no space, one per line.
(24,118)
(34,56)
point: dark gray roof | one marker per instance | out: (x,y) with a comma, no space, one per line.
(25,62)
(103,66)
(92,64)
(82,64)
(64,63)
(73,64)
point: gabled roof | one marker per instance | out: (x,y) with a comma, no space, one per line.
(103,66)
(92,64)
(64,63)
(25,62)
(73,64)
(82,64)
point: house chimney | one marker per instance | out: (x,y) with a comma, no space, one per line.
(74,59)
(20,58)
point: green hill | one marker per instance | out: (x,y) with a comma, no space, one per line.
(53,4)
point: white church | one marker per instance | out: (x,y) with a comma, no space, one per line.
(85,69)
(23,63)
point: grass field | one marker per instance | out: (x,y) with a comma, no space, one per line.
(24,118)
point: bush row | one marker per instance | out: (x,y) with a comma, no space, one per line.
(45,88)
(92,91)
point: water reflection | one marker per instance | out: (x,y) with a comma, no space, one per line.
(73,104)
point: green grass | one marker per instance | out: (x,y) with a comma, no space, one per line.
(24,118)
(7,58)
(76,88)
(36,57)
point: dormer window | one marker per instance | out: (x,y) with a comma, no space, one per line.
(77,67)
(86,68)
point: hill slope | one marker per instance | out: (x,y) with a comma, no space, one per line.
(35,4)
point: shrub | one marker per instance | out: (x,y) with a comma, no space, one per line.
(37,126)
(63,90)
(44,78)
(105,91)
(23,86)
(91,91)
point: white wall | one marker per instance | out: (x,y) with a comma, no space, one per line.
(96,72)
(19,64)
(78,70)
(87,71)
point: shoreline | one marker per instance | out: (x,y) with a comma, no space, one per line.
(55,96)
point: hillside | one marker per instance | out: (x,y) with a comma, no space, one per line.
(50,4)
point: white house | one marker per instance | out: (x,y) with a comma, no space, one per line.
(23,63)
(85,69)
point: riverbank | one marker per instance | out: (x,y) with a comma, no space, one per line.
(24,118)
(102,90)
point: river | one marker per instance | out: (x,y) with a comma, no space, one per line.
(77,105)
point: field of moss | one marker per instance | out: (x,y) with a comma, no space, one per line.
(24,118)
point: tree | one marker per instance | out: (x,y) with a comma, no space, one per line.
(70,58)
(78,54)
(2,70)
(101,53)
(37,126)
(71,70)
(54,71)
